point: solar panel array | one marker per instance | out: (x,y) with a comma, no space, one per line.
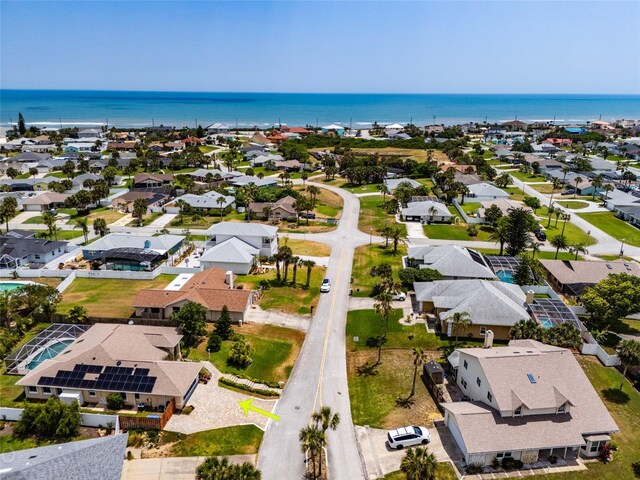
(477,257)
(556,311)
(117,379)
(503,263)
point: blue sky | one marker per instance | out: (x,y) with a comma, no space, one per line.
(400,47)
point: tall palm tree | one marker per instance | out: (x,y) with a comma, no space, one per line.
(304,176)
(432,211)
(419,359)
(295,261)
(384,190)
(250,193)
(608,188)
(398,236)
(550,210)
(313,193)
(579,247)
(309,264)
(555,185)
(312,439)
(566,217)
(535,247)
(325,419)
(460,321)
(419,464)
(629,353)
(565,170)
(500,234)
(560,243)
(83,224)
(384,309)
(220,201)
(596,183)
(577,181)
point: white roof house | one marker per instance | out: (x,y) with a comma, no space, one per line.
(428,211)
(231,255)
(529,401)
(258,235)
(485,191)
(394,126)
(206,201)
(392,183)
(258,182)
(452,261)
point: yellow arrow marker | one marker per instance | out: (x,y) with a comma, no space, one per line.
(246,406)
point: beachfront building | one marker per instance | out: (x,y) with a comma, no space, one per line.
(528,401)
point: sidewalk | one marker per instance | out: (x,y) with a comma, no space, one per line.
(171,468)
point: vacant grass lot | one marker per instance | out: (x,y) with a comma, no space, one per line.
(456,232)
(205,221)
(373,216)
(609,223)
(624,406)
(470,207)
(543,187)
(110,298)
(527,177)
(329,204)
(306,247)
(109,214)
(243,439)
(275,350)
(366,257)
(287,298)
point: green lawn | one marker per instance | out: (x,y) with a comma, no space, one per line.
(545,188)
(574,204)
(274,352)
(609,223)
(110,298)
(288,298)
(527,177)
(240,440)
(373,216)
(444,472)
(625,408)
(366,257)
(573,233)
(11,443)
(515,193)
(456,232)
(469,207)
(33,220)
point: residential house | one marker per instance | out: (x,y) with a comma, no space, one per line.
(296,130)
(630,214)
(127,145)
(392,183)
(212,288)
(571,277)
(466,179)
(90,133)
(233,255)
(126,201)
(210,202)
(99,458)
(243,180)
(491,305)
(26,184)
(480,192)
(44,201)
(260,159)
(503,204)
(616,199)
(132,360)
(282,209)
(260,236)
(202,174)
(426,212)
(529,402)
(452,261)
(152,180)
(30,157)
(217,129)
(19,249)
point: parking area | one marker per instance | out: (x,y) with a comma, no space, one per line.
(217,407)
(381,460)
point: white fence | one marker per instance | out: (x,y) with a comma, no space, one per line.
(35,273)
(86,419)
(66,282)
(592,348)
(465,217)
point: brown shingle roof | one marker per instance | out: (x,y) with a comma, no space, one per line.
(569,272)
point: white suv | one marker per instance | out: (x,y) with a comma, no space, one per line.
(325,286)
(401,296)
(408,436)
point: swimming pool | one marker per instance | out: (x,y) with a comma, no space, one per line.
(49,352)
(8,286)
(546,322)
(505,276)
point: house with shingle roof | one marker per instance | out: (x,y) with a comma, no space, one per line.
(426,212)
(393,183)
(490,305)
(213,288)
(528,401)
(452,261)
(17,250)
(260,236)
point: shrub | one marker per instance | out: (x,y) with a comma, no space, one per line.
(472,230)
(474,469)
(53,419)
(129,455)
(553,459)
(188,409)
(215,342)
(222,327)
(240,353)
(242,386)
(265,284)
(495,462)
(605,453)
(510,463)
(115,401)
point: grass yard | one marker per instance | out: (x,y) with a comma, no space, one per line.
(240,440)
(573,233)
(444,472)
(207,148)
(543,187)
(65,234)
(456,232)
(287,298)
(527,177)
(109,298)
(625,408)
(515,193)
(110,215)
(306,247)
(34,220)
(366,257)
(275,350)
(470,207)
(373,216)
(573,204)
(329,204)
(610,224)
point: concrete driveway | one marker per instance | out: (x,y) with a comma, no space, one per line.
(217,407)
(171,468)
(381,460)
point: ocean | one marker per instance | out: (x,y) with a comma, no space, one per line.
(140,109)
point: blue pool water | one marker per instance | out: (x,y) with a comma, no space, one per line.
(49,352)
(8,286)
(505,276)
(546,323)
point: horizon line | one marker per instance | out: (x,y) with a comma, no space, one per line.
(303,93)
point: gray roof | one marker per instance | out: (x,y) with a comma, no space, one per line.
(17,247)
(452,261)
(392,183)
(258,182)
(486,302)
(486,190)
(238,229)
(207,200)
(160,243)
(421,209)
(97,458)
(230,251)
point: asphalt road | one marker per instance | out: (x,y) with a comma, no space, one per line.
(320,374)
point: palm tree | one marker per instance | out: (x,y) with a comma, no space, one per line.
(326,419)
(250,193)
(432,211)
(295,261)
(460,321)
(309,264)
(397,236)
(526,329)
(313,193)
(419,359)
(577,181)
(419,464)
(565,170)
(384,309)
(608,188)
(560,242)
(312,439)
(500,234)
(629,353)
(83,224)
(566,217)
(555,185)
(384,190)
(220,201)
(213,468)
(304,176)
(535,247)
(579,247)
(596,183)
(550,210)
(558,213)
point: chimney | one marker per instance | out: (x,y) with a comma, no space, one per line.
(230,279)
(530,297)
(488,339)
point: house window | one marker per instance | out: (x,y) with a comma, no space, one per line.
(463,382)
(478,381)
(466,365)
(503,454)
(489,396)
(92,393)
(518,411)
(561,408)
(595,446)
(33,389)
(46,390)
(483,330)
(37,256)
(59,391)
(137,396)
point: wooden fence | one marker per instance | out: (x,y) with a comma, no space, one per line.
(148,423)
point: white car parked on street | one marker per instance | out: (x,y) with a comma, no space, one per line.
(325,287)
